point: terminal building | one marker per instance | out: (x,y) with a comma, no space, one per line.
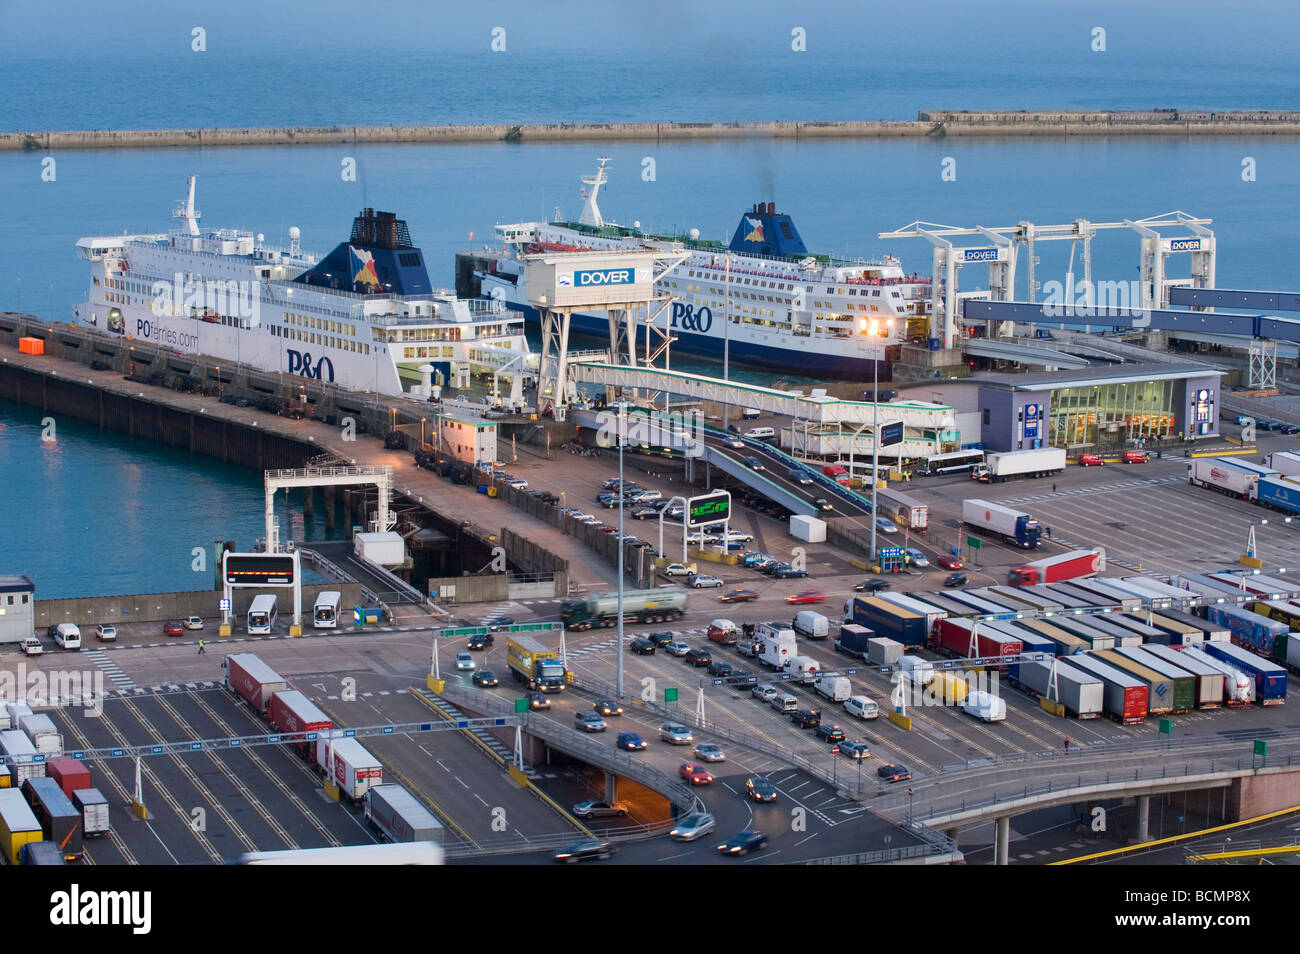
(17,609)
(1100,407)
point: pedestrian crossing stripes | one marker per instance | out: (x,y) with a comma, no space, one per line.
(606,645)
(1096,489)
(482,735)
(112,671)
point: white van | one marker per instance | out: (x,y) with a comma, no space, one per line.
(760,433)
(67,635)
(803,669)
(750,413)
(864,707)
(811,625)
(834,688)
(784,702)
(918,670)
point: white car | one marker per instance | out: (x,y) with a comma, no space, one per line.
(690,827)
(675,733)
(464,662)
(700,582)
(885,525)
(765,693)
(708,752)
(32,646)
(675,648)
(678,569)
(740,536)
(193,622)
(106,632)
(916,557)
(518,483)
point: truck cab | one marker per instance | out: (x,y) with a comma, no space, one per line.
(1022,576)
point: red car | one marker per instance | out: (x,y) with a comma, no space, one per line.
(695,774)
(738,596)
(174,628)
(1091,460)
(807,596)
(1136,457)
(949,563)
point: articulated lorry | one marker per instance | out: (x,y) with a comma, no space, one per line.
(1056,569)
(658,605)
(1012,526)
(1227,476)
(539,668)
(1040,462)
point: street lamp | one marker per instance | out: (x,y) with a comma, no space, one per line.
(622,427)
(875,436)
(422,433)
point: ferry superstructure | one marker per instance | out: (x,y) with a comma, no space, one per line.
(365,316)
(789,310)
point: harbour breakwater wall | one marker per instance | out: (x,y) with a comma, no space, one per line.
(929,123)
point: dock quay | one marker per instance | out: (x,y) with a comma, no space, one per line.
(1111,122)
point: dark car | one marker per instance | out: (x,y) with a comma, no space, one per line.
(742,843)
(821,503)
(790,573)
(500,623)
(643,647)
(806,718)
(949,563)
(174,628)
(831,733)
(485,678)
(760,789)
(585,850)
(892,772)
(738,596)
(607,707)
(661,639)
(479,641)
(753,463)
(955,579)
(800,476)
(699,657)
(742,680)
(870,586)
(538,700)
(631,742)
(719,667)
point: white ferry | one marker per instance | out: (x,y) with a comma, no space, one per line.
(789,310)
(364,317)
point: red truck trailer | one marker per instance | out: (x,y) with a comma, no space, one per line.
(71,774)
(1056,569)
(954,636)
(253,680)
(291,711)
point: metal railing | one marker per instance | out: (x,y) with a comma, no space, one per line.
(882,856)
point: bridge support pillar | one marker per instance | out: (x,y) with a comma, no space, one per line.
(1144,818)
(952,834)
(611,787)
(1002,843)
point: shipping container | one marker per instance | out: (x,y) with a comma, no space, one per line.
(1238,687)
(853,640)
(1081,693)
(1184,683)
(71,774)
(94,811)
(60,820)
(353,770)
(1124,698)
(44,734)
(1095,638)
(1257,633)
(1160,688)
(957,637)
(25,762)
(1209,681)
(253,680)
(883,651)
(890,620)
(291,711)
(16,711)
(1270,678)
(399,816)
(18,824)
(1067,644)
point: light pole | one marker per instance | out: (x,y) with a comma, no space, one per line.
(875,438)
(622,427)
(726,336)
(422,433)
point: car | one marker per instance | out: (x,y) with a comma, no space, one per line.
(753,463)
(644,513)
(661,639)
(589,721)
(174,628)
(611,483)
(821,503)
(805,597)
(674,733)
(735,443)
(700,582)
(760,789)
(708,752)
(678,569)
(500,623)
(106,632)
(1091,460)
(870,586)
(742,843)
(1290,428)
(790,573)
(801,476)
(831,733)
(916,557)
(720,668)
(630,742)
(193,622)
(692,826)
(949,563)
(485,678)
(764,693)
(465,662)
(773,567)
(856,749)
(698,657)
(695,774)
(806,718)
(1135,457)
(738,596)
(479,641)
(593,808)
(585,850)
(518,483)
(955,579)
(751,559)
(607,707)
(893,772)
(885,525)
(538,700)
(676,648)
(742,680)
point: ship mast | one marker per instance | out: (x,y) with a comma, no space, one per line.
(590,210)
(185,210)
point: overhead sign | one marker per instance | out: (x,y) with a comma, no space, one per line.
(891,434)
(602,277)
(710,508)
(259,569)
(969,256)
(1185,245)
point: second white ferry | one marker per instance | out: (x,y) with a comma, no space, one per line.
(365,316)
(790,310)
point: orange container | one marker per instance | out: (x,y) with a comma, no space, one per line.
(31,345)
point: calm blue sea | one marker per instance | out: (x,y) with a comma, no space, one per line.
(136,510)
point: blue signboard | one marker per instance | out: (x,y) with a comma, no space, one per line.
(1185,245)
(1031,420)
(891,434)
(597,277)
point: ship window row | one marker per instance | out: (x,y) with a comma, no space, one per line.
(329,341)
(446,351)
(320,324)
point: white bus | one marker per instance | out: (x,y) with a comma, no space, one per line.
(325,614)
(400,853)
(954,462)
(261,615)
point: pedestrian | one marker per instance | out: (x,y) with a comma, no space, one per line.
(1053,486)
(202,650)
(1067,743)
(1049,533)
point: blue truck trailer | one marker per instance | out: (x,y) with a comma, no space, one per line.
(1270,678)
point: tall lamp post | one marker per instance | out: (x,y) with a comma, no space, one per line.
(622,428)
(875,434)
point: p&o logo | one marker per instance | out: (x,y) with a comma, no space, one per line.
(300,362)
(688,319)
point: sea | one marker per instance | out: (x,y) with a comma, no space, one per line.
(314,64)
